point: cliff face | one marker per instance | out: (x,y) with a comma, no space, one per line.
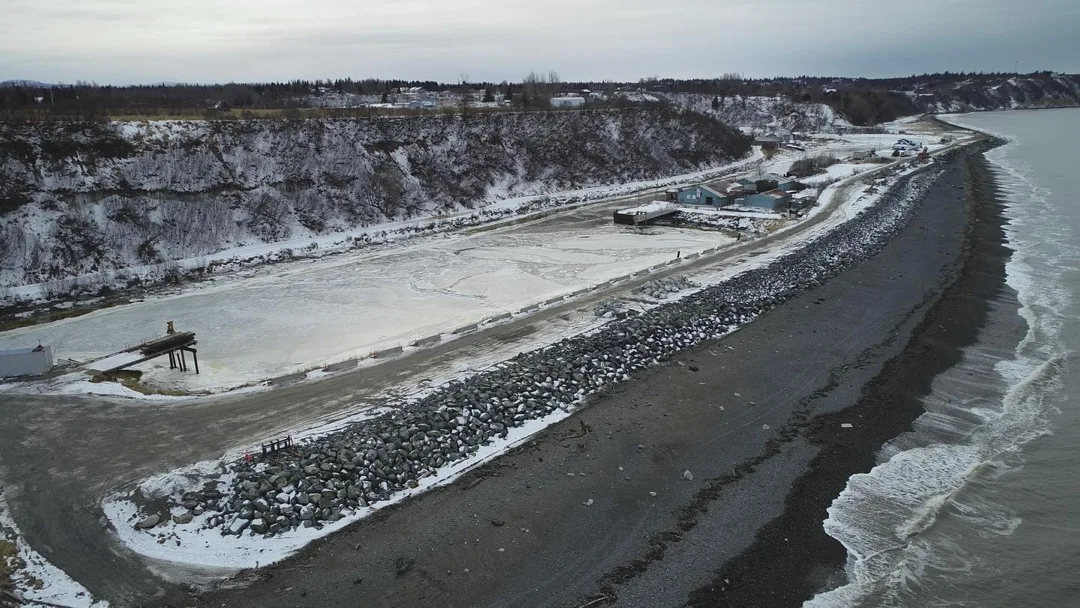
(763,113)
(78,198)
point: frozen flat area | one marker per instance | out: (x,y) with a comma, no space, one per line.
(298,316)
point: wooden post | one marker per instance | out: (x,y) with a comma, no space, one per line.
(195,356)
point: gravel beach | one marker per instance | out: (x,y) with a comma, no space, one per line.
(704,480)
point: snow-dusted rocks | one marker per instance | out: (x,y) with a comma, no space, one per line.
(83,198)
(327,478)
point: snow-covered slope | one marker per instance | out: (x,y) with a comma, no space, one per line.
(764,113)
(1000,93)
(79,198)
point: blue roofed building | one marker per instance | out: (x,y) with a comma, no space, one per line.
(773,200)
(704,195)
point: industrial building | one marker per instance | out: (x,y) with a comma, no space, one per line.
(25,361)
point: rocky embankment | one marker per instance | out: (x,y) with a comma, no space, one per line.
(80,198)
(327,478)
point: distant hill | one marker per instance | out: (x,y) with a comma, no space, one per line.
(29,84)
(865,101)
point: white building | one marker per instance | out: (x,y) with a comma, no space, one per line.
(567,102)
(25,361)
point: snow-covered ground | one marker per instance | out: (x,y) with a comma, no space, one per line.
(837,172)
(300,316)
(193,546)
(36,580)
(294,317)
(189,545)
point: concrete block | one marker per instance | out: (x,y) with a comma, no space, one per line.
(529,309)
(465,329)
(693,256)
(428,341)
(553,300)
(387,352)
(344,365)
(497,318)
(288,379)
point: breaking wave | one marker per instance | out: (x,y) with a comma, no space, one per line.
(978,416)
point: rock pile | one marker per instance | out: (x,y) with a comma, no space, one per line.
(611,308)
(327,478)
(660,289)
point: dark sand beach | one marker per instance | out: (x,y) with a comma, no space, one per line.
(703,481)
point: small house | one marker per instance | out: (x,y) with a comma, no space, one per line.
(768,142)
(704,195)
(773,200)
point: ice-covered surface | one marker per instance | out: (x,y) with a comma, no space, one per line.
(652,207)
(114,361)
(263,325)
(208,548)
(36,580)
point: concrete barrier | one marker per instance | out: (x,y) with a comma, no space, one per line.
(691,256)
(288,379)
(428,341)
(554,300)
(343,365)
(387,352)
(578,293)
(529,309)
(465,329)
(604,285)
(639,273)
(496,318)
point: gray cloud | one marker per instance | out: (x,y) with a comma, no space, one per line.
(125,41)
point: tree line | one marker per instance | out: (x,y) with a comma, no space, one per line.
(862,100)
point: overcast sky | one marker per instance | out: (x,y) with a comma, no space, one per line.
(140,41)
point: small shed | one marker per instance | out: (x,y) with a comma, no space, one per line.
(25,361)
(773,200)
(704,195)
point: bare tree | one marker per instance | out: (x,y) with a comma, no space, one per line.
(463,83)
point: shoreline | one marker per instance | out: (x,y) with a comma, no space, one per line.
(784,577)
(561,543)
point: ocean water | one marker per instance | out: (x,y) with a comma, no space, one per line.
(980,504)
